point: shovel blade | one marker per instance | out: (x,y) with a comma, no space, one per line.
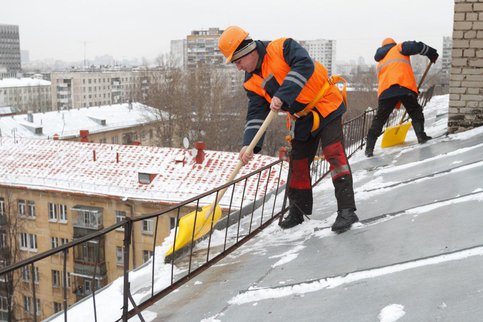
(395,135)
(187,228)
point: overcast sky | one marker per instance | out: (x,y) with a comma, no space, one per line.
(143,28)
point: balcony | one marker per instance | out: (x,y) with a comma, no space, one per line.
(86,217)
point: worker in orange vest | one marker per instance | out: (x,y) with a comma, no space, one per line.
(398,85)
(281,76)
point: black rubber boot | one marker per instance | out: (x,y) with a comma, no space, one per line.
(420,134)
(293,219)
(370,143)
(344,221)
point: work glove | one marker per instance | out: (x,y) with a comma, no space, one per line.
(432,54)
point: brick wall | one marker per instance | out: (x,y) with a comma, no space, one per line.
(466,80)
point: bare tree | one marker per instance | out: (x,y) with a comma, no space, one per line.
(11,226)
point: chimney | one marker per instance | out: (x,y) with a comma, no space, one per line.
(84,135)
(30,117)
(200,155)
(56,136)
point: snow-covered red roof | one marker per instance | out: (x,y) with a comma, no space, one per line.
(68,123)
(70,166)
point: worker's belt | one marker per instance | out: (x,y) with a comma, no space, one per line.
(332,81)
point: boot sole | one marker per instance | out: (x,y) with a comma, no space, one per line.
(343,229)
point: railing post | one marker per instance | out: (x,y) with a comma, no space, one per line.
(363,129)
(126,292)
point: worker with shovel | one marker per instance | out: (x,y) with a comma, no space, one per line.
(281,76)
(397,85)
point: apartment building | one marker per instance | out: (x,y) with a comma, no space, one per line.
(129,123)
(202,48)
(10,62)
(26,94)
(95,87)
(58,191)
(322,50)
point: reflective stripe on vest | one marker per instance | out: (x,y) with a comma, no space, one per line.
(401,60)
(274,64)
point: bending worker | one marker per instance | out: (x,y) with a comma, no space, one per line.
(398,85)
(280,75)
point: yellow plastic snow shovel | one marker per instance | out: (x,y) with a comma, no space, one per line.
(396,135)
(198,223)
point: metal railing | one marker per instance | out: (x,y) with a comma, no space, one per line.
(239,223)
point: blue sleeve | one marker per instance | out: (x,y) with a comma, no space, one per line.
(258,109)
(410,48)
(301,69)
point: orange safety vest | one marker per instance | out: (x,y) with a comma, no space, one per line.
(274,64)
(395,68)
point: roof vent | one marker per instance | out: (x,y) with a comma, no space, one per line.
(98,120)
(145,177)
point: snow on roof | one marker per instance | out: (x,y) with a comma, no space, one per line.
(6,110)
(23,82)
(68,123)
(70,167)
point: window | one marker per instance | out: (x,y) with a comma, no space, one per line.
(3,304)
(31,208)
(36,275)
(119,255)
(57,307)
(62,213)
(67,279)
(3,263)
(120,216)
(55,278)
(25,274)
(2,207)
(148,226)
(37,306)
(21,207)
(52,212)
(26,304)
(57,212)
(3,240)
(54,242)
(147,254)
(28,241)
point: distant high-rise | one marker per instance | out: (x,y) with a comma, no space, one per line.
(446,59)
(202,47)
(322,50)
(10,63)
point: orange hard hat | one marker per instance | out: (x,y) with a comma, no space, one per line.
(229,41)
(388,41)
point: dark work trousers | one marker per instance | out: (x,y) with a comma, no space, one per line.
(386,106)
(302,155)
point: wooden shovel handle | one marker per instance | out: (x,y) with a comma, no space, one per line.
(240,164)
(419,86)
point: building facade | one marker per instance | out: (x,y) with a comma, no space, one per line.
(26,94)
(83,88)
(10,60)
(202,48)
(53,192)
(322,50)
(466,78)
